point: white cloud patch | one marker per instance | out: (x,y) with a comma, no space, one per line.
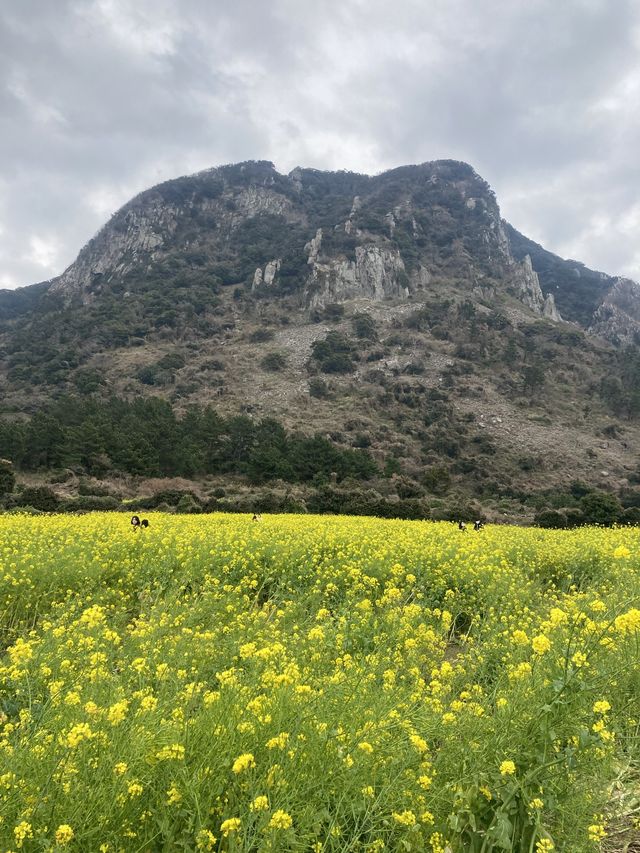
(102,98)
(43,252)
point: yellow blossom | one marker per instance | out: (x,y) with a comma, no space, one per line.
(205,840)
(174,795)
(173,752)
(541,644)
(244,762)
(64,834)
(231,824)
(405,818)
(21,832)
(259,804)
(117,712)
(280,820)
(629,622)
(419,743)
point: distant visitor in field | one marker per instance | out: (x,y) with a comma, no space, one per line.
(256,517)
(136,523)
(462,525)
(478,525)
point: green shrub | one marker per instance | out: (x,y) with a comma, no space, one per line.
(38,497)
(574,518)
(7,477)
(334,354)
(550,518)
(172,361)
(261,335)
(437,479)
(94,489)
(187,504)
(333,312)
(600,508)
(364,327)
(631,515)
(318,388)
(274,362)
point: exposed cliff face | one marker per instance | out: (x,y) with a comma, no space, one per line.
(530,293)
(130,239)
(152,226)
(601,304)
(378,273)
(617,318)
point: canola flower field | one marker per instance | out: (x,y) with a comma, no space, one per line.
(316,684)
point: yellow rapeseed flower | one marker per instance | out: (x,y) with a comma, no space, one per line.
(405,818)
(64,834)
(231,824)
(21,832)
(259,804)
(243,762)
(541,644)
(205,840)
(280,820)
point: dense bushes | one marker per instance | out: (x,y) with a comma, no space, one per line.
(38,497)
(592,507)
(274,362)
(7,477)
(334,354)
(146,437)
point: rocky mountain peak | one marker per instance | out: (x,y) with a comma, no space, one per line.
(325,237)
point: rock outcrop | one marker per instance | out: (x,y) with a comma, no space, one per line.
(378,273)
(268,276)
(313,247)
(618,317)
(129,239)
(529,292)
(256,200)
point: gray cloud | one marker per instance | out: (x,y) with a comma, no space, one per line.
(102,98)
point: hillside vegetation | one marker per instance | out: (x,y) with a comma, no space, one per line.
(396,314)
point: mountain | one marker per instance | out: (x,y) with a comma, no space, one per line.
(397,313)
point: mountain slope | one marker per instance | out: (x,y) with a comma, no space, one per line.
(397,312)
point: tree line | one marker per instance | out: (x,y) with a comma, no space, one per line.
(147,437)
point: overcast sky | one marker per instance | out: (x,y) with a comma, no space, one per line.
(100,99)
